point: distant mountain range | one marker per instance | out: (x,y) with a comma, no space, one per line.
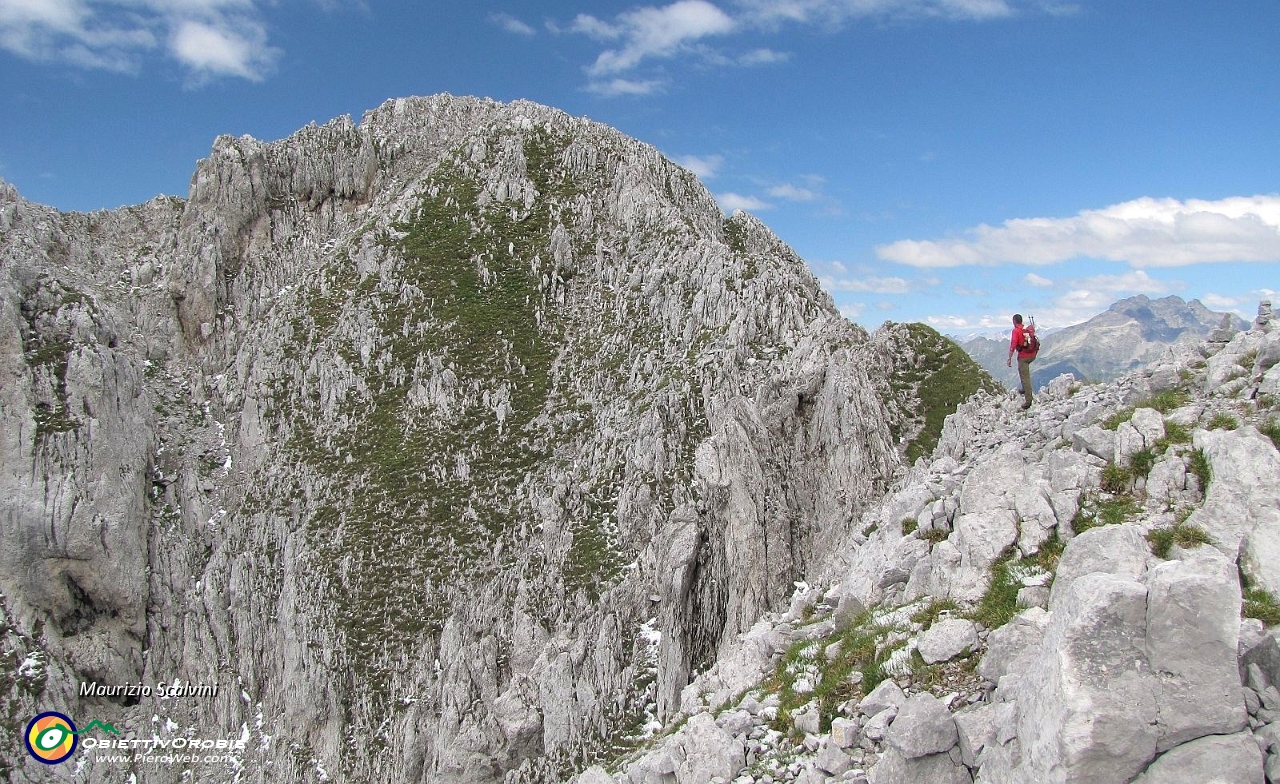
(1129,333)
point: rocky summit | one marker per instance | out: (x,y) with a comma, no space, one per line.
(448,446)
(1084,592)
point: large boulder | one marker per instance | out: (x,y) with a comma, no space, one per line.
(1012,647)
(1241,512)
(1112,549)
(1215,759)
(1087,708)
(893,768)
(1193,622)
(697,753)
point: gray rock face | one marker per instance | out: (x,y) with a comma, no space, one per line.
(1215,759)
(1192,628)
(1115,550)
(1241,511)
(887,694)
(1092,716)
(1013,646)
(893,768)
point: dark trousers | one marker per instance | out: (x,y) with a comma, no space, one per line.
(1024,373)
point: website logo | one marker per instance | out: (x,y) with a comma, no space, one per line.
(51,737)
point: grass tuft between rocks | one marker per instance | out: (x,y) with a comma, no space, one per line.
(1000,602)
(1261,605)
(1182,534)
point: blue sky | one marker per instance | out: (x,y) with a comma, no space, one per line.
(950,161)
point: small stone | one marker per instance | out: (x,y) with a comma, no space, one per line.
(833,760)
(947,639)
(876,728)
(1033,596)
(887,694)
(844,732)
(807,720)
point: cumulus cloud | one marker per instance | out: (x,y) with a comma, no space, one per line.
(763,57)
(870,285)
(1032,279)
(1145,232)
(732,202)
(210,37)
(851,310)
(705,167)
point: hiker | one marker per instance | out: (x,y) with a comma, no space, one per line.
(1024,342)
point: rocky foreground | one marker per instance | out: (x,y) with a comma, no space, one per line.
(1081,593)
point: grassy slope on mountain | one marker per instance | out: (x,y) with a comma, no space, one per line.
(932,369)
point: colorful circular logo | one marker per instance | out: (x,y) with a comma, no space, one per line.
(51,737)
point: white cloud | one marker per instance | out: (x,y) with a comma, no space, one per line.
(1083,299)
(1144,232)
(512,25)
(965,324)
(649,32)
(763,57)
(588,25)
(869,285)
(223,50)
(1039,282)
(851,310)
(209,37)
(836,12)
(705,167)
(792,193)
(836,277)
(1219,302)
(731,202)
(615,87)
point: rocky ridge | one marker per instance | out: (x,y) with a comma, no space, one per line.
(1083,592)
(471,433)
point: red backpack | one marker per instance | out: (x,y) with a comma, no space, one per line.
(1030,343)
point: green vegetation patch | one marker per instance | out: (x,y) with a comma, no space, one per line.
(1000,602)
(1118,418)
(857,666)
(1223,421)
(1182,534)
(1201,469)
(1174,433)
(1167,401)
(1106,511)
(1116,478)
(1261,605)
(1272,430)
